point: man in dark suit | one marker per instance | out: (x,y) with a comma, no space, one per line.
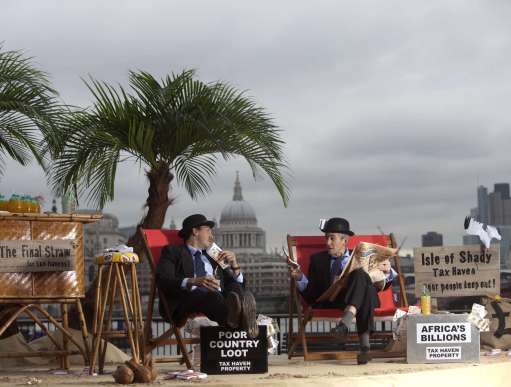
(192,282)
(358,298)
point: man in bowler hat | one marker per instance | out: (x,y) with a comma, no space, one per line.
(193,282)
(358,298)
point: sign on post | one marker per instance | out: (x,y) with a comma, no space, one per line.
(452,271)
(225,351)
(19,256)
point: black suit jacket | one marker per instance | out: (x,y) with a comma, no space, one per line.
(319,277)
(176,264)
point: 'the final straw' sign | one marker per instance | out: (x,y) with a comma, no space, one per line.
(18,256)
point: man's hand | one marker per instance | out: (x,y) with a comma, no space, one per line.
(230,258)
(294,270)
(208,282)
(384,266)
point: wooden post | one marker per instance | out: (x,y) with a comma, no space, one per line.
(65,324)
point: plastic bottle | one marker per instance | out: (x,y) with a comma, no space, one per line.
(3,203)
(15,204)
(425,301)
(25,203)
(30,204)
(36,208)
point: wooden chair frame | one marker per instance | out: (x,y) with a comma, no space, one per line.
(305,314)
(166,338)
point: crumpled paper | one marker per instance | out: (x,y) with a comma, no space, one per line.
(399,321)
(120,249)
(477,317)
(186,375)
(192,327)
(271,330)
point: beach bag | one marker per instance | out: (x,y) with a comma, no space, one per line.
(499,313)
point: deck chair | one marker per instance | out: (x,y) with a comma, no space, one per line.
(154,240)
(300,249)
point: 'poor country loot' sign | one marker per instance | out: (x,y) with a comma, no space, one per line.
(452,271)
(18,256)
(233,352)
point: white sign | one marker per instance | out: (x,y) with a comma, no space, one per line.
(19,256)
(439,333)
(443,353)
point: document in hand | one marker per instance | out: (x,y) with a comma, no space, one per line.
(366,256)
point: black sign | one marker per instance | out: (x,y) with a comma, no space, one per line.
(227,351)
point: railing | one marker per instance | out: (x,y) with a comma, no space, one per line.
(31,331)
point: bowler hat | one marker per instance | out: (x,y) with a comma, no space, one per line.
(192,221)
(338,225)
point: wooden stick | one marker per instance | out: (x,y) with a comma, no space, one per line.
(131,308)
(65,324)
(138,313)
(13,318)
(83,328)
(125,309)
(402,289)
(59,326)
(99,326)
(45,330)
(107,325)
(179,339)
(97,302)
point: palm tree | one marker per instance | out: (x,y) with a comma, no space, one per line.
(176,128)
(29,110)
(29,118)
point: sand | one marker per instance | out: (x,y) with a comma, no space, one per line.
(492,371)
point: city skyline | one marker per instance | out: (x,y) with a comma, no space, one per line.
(392,130)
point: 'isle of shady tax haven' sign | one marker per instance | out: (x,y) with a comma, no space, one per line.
(18,256)
(453,271)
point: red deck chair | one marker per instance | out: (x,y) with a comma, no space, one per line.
(154,240)
(301,248)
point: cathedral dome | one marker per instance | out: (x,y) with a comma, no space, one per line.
(238,211)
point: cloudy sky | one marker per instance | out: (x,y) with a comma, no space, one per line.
(392,111)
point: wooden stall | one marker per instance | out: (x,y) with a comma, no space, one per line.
(42,263)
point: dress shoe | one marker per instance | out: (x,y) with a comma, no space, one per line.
(233,309)
(341,330)
(248,315)
(364,357)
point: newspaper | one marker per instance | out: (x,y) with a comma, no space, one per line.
(366,256)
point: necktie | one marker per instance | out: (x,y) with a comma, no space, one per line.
(200,269)
(335,270)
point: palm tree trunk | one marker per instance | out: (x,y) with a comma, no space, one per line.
(157,203)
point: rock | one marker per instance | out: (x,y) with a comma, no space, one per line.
(123,375)
(142,373)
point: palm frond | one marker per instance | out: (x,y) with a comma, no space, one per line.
(179,122)
(29,110)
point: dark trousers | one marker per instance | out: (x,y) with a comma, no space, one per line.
(359,292)
(210,303)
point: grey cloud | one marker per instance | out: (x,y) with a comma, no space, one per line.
(392,111)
